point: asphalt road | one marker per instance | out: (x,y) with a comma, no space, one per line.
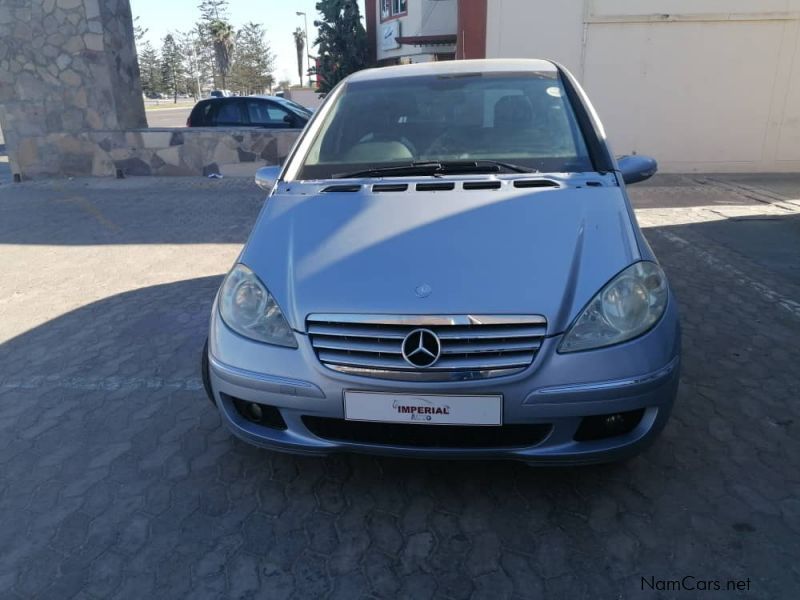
(168,117)
(117,479)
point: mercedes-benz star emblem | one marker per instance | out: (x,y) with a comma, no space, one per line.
(421,348)
(423,290)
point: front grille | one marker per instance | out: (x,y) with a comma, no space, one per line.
(472,346)
(427,436)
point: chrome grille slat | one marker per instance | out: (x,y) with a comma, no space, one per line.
(368,331)
(357,345)
(449,347)
(472,346)
(488,332)
(444,364)
(428,320)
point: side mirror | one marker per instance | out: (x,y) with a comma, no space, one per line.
(267,176)
(636,168)
(290,121)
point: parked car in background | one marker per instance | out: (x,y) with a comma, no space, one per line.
(290,104)
(248,111)
(220,94)
(308,97)
(448,266)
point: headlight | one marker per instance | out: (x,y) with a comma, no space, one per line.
(250,310)
(628,306)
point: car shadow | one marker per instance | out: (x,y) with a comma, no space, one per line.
(126,368)
(105,434)
(138,347)
(767,245)
(109,447)
(688,190)
(144,210)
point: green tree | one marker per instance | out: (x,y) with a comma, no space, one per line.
(138,32)
(205,57)
(149,69)
(213,10)
(253,63)
(210,12)
(223,35)
(194,73)
(172,70)
(300,46)
(342,42)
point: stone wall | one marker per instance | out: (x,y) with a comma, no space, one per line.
(71,101)
(190,151)
(66,67)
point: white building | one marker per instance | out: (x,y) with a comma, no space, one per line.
(702,85)
(409,31)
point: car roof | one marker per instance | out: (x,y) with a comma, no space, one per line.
(455,67)
(265,97)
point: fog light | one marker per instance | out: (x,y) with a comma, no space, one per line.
(598,427)
(256,414)
(261,414)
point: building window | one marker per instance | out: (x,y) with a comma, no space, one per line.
(393,8)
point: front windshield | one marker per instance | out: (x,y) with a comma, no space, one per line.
(298,107)
(520,118)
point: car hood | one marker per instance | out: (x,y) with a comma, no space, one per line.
(511,251)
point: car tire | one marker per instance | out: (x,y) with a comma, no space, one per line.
(205,375)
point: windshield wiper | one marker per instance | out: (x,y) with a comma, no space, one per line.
(437,168)
(508,166)
(410,169)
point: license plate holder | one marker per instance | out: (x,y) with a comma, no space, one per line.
(424,409)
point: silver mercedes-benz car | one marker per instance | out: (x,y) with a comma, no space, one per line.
(448,266)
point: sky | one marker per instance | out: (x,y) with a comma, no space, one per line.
(161,17)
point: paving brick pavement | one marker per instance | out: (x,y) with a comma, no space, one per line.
(117,479)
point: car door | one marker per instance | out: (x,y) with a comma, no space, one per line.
(229,113)
(263,113)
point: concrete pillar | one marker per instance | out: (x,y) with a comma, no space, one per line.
(66,66)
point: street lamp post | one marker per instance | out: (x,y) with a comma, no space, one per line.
(308,62)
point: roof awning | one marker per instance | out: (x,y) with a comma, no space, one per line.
(427,40)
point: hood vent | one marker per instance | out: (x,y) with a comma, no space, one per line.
(436,187)
(342,188)
(390,187)
(482,185)
(535,183)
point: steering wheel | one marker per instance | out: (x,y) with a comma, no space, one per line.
(448,144)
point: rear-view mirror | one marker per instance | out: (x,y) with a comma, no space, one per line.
(636,168)
(267,176)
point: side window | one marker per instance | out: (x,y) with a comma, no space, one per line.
(267,114)
(228,113)
(200,114)
(392,8)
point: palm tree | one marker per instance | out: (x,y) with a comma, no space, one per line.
(300,45)
(223,36)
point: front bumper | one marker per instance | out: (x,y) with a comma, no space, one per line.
(557,390)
